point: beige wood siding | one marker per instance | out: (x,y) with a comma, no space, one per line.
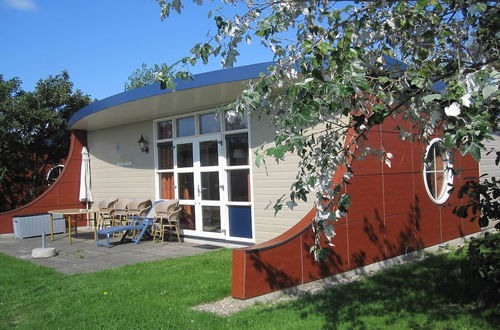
(118,167)
(269,183)
(487,164)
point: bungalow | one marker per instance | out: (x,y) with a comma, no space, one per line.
(194,154)
(191,152)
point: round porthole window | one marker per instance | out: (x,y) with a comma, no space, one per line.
(438,176)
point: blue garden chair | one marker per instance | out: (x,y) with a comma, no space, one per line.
(141,224)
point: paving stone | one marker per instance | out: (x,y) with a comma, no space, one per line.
(83,256)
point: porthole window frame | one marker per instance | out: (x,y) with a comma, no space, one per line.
(448,176)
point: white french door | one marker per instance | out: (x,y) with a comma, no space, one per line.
(203,160)
(200,183)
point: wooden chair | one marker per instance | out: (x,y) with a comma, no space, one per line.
(137,208)
(119,212)
(166,220)
(104,209)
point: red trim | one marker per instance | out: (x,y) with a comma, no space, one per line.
(63,193)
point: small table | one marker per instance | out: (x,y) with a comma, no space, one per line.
(69,213)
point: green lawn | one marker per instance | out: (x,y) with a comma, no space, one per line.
(157,295)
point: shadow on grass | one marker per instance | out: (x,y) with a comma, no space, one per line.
(431,289)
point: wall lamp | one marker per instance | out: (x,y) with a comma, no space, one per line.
(143,144)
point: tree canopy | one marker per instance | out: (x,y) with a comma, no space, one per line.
(143,76)
(433,62)
(33,134)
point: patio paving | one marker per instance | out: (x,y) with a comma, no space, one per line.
(83,256)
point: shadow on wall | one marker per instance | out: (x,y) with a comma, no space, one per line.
(406,240)
(390,215)
(275,277)
(375,231)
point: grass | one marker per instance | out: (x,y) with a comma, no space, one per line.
(157,295)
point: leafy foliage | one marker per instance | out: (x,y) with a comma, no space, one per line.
(483,201)
(143,76)
(342,67)
(483,268)
(33,134)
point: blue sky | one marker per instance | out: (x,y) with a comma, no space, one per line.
(100,42)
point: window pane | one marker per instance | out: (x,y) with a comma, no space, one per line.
(210,186)
(438,180)
(429,160)
(185,155)
(440,155)
(165,156)
(431,184)
(239,189)
(165,129)
(209,124)
(167,186)
(440,184)
(185,126)
(237,149)
(211,219)
(233,120)
(240,221)
(186,185)
(209,153)
(187,217)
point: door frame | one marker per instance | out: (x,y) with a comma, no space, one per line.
(222,168)
(197,171)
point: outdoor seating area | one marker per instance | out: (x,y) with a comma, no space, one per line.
(84,256)
(118,211)
(137,219)
(166,220)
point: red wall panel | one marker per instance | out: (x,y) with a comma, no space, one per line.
(63,193)
(336,262)
(366,193)
(366,241)
(401,235)
(390,214)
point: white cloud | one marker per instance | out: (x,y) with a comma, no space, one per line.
(20,4)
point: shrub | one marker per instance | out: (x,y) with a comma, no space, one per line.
(483,268)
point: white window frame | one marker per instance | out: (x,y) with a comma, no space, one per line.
(447,173)
(223,168)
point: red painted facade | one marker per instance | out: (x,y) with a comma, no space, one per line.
(62,194)
(390,214)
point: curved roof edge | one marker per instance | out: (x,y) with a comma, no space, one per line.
(199,80)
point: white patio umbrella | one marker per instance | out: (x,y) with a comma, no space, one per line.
(85,190)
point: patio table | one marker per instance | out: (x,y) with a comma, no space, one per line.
(69,213)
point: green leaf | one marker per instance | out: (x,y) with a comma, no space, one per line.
(344,202)
(477,8)
(474,149)
(321,254)
(489,90)
(431,97)
(259,159)
(278,152)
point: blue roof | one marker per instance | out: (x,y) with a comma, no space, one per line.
(199,80)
